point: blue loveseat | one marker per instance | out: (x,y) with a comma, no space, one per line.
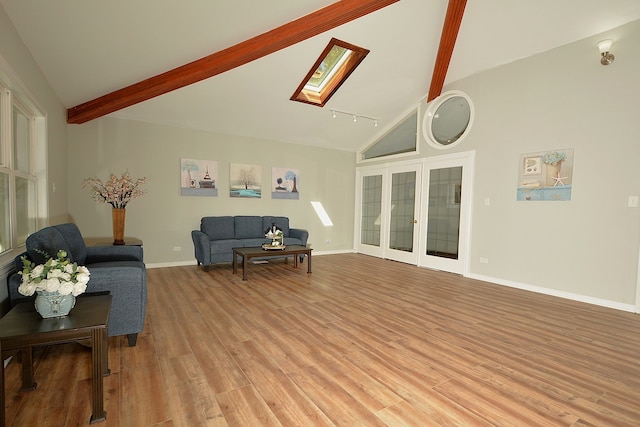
(218,235)
(118,270)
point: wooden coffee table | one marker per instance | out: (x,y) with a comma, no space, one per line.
(23,328)
(258,252)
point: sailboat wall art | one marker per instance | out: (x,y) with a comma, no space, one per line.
(198,177)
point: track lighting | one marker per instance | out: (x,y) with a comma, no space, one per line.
(354,116)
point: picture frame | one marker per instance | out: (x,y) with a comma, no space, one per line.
(198,177)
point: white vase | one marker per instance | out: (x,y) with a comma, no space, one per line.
(53,304)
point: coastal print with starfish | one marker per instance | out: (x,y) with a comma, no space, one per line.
(546,175)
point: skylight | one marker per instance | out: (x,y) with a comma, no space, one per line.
(335,64)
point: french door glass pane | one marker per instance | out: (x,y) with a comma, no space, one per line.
(443,227)
(371,210)
(25,209)
(403,196)
(5,241)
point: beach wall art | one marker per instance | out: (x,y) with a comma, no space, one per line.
(546,176)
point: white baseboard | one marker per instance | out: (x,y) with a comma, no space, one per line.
(194,262)
(556,293)
(342,251)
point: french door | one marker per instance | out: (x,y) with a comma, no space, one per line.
(446,215)
(388,210)
(417,212)
(370,193)
(402,231)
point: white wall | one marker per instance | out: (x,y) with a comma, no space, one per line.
(164,219)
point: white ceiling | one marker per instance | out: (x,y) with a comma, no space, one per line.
(90,48)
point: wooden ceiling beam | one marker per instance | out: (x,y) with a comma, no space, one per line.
(452,21)
(279,38)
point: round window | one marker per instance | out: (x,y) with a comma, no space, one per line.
(448,119)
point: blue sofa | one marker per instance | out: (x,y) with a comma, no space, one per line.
(118,270)
(218,235)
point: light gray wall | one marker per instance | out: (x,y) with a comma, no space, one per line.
(20,71)
(586,247)
(561,99)
(26,76)
(164,219)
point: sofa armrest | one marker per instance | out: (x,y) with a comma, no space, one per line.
(97,254)
(299,233)
(201,246)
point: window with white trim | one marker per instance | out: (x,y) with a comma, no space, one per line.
(18,179)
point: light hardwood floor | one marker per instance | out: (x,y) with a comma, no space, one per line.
(359,342)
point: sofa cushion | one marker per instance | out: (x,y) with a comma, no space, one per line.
(247,227)
(217,227)
(224,246)
(51,239)
(253,243)
(282,223)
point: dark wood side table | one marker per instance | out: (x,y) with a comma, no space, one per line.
(23,328)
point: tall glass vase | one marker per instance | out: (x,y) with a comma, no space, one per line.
(118,216)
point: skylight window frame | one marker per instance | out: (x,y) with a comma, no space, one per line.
(330,73)
(338,74)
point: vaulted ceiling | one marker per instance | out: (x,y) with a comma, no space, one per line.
(89,49)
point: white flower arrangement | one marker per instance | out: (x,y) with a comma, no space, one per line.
(56,275)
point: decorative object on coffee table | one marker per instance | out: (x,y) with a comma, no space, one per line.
(118,192)
(57,283)
(277,238)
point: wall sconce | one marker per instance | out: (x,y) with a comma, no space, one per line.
(605,46)
(354,116)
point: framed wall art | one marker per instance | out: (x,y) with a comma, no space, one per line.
(546,176)
(245,181)
(198,177)
(285,183)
